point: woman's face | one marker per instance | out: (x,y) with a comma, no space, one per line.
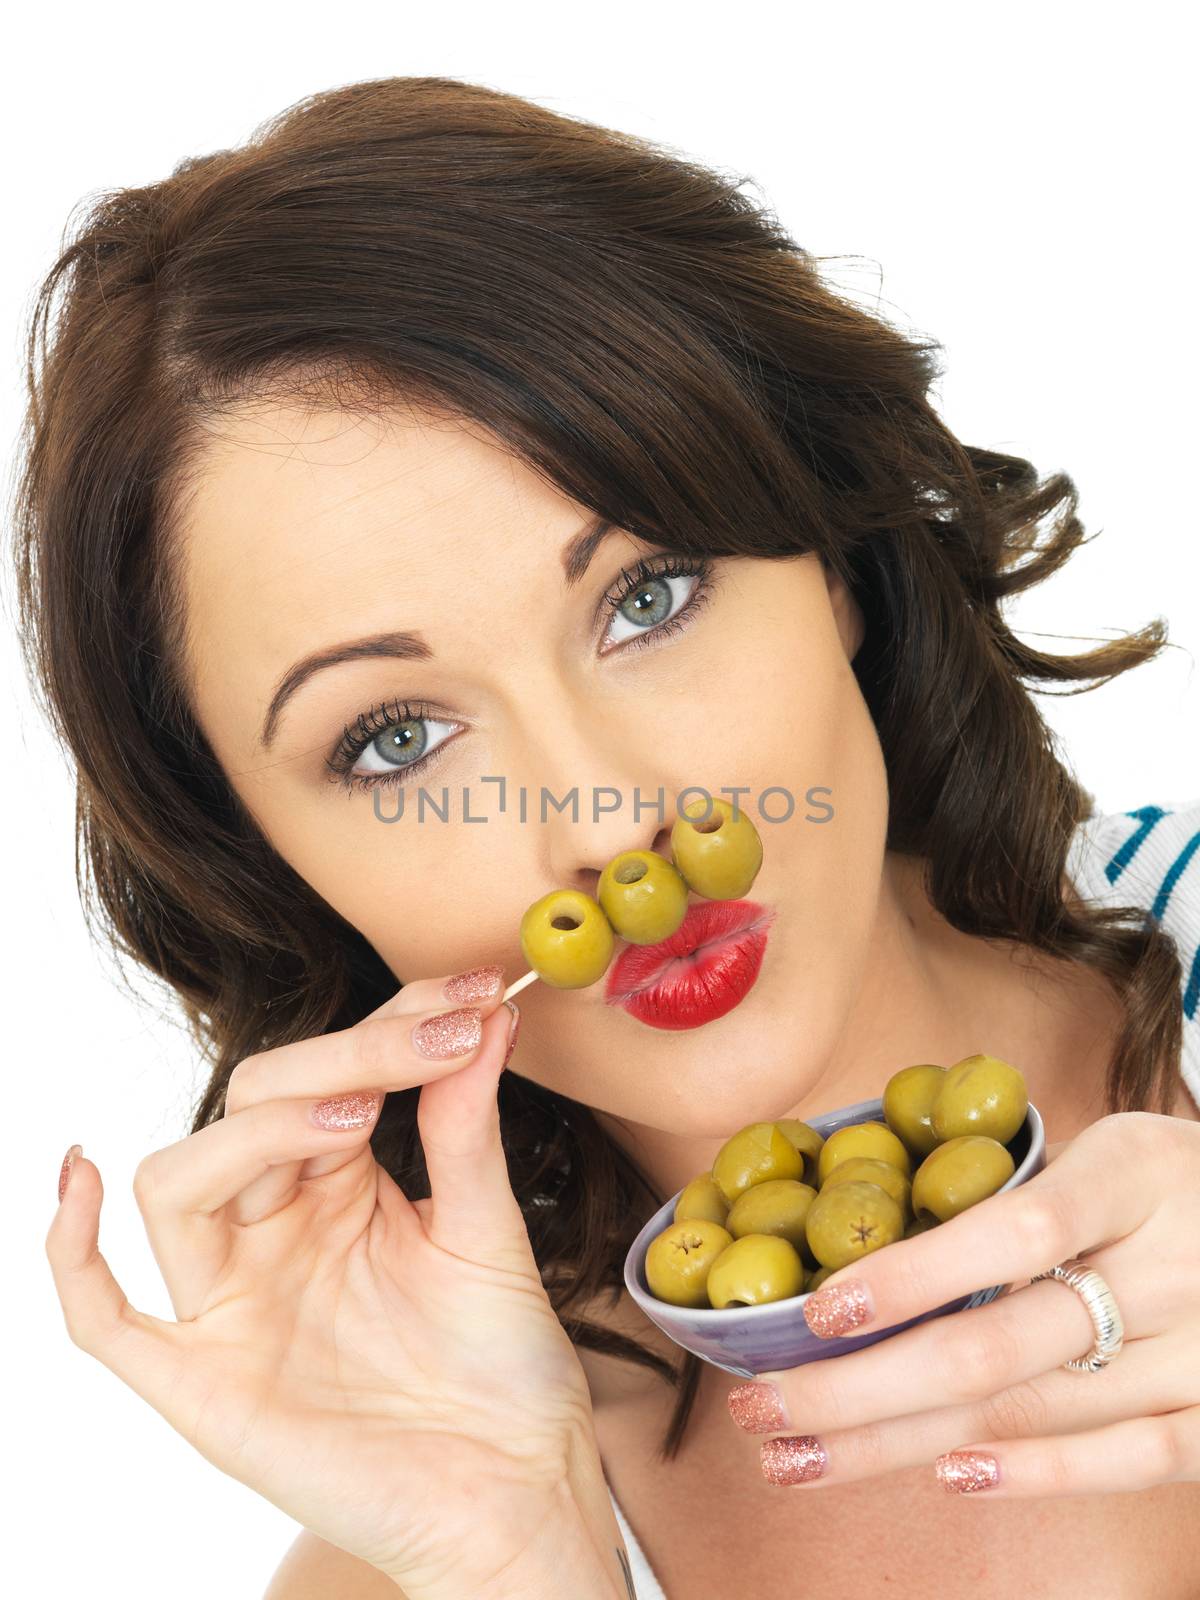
(314,530)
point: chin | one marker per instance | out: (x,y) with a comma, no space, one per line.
(727,1090)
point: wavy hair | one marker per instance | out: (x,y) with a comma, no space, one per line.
(650,340)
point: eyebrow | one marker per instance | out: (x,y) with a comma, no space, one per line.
(407,646)
(577,555)
(397,646)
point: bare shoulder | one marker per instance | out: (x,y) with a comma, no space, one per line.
(313,1569)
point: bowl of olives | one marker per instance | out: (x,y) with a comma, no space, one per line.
(725,1265)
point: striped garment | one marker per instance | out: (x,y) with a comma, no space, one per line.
(1149,858)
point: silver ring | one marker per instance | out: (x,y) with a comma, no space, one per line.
(1102,1308)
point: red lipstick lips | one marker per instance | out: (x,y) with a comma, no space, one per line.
(707,966)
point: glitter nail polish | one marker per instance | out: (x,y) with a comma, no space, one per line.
(838,1308)
(797,1459)
(449,1033)
(757,1407)
(967,1471)
(480,983)
(345,1111)
(64,1172)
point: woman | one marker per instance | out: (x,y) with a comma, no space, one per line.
(432,442)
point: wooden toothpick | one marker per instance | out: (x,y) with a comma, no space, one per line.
(521,983)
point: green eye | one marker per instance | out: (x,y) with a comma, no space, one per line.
(404,744)
(654,601)
(648,604)
(388,743)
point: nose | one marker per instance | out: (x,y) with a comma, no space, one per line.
(611,818)
(597,787)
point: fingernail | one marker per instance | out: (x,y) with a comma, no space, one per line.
(838,1307)
(449,1033)
(346,1111)
(68,1166)
(757,1407)
(794,1460)
(514,1029)
(480,983)
(967,1471)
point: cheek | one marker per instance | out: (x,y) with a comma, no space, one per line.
(850,845)
(837,864)
(416,889)
(818,741)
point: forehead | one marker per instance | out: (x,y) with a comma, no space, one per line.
(315,486)
(309,527)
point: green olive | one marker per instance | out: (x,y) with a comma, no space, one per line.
(754,1154)
(959,1174)
(566,939)
(817,1279)
(907,1103)
(980,1094)
(869,1169)
(700,1201)
(754,1269)
(679,1259)
(718,857)
(643,896)
(849,1220)
(778,1206)
(807,1140)
(863,1139)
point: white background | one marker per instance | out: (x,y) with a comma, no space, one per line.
(1013,180)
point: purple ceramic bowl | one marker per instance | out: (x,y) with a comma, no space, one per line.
(747,1340)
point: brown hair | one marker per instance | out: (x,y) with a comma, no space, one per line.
(650,340)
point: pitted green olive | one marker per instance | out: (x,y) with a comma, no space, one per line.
(754,1154)
(980,1094)
(959,1174)
(869,1169)
(753,1270)
(566,939)
(643,896)
(908,1103)
(679,1259)
(701,1200)
(848,1220)
(718,854)
(778,1206)
(863,1139)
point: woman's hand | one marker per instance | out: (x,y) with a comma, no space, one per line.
(389,1373)
(1124,1195)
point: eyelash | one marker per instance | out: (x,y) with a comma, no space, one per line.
(356,736)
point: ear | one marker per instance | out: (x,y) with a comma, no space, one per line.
(847,612)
